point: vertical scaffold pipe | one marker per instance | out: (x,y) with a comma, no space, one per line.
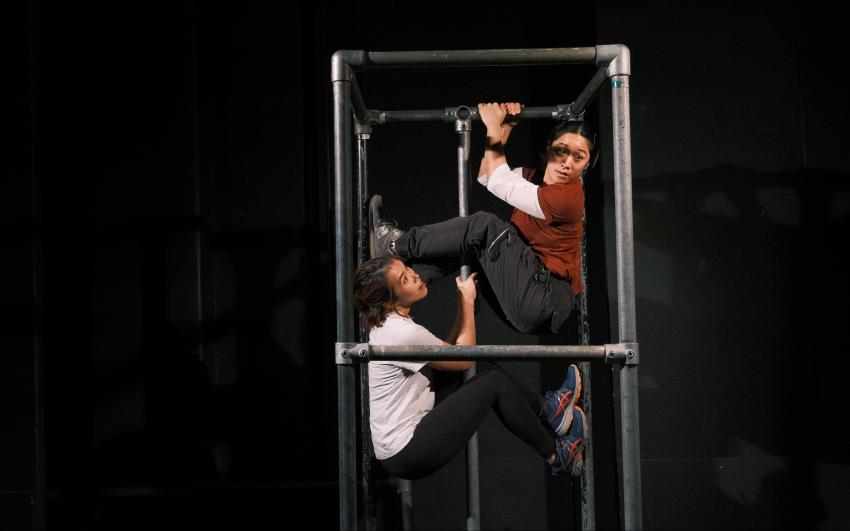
(473,491)
(363,136)
(405,494)
(362,197)
(346,401)
(632,504)
(462,126)
(588,481)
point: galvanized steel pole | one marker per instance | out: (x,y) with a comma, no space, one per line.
(589,93)
(608,353)
(380,117)
(346,402)
(619,71)
(516,56)
(588,482)
(473,487)
(363,131)
(462,128)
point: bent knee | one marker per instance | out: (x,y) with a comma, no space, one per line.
(486,217)
(488,224)
(493,378)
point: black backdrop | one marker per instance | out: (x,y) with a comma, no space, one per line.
(170,278)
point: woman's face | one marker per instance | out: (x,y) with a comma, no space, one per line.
(569,156)
(406,284)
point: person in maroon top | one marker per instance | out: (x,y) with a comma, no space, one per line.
(533,262)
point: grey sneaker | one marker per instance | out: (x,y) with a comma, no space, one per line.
(382,232)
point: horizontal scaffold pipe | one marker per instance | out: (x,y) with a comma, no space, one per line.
(449,114)
(627,353)
(481,57)
(502,352)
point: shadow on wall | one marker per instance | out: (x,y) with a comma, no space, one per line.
(249,413)
(740,290)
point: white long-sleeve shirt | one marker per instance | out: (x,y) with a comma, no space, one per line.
(509,186)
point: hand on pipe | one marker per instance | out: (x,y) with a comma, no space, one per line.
(467,289)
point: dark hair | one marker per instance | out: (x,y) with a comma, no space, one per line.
(573,126)
(373,295)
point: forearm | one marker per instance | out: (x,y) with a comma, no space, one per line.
(494,150)
(465,322)
(484,171)
(455,331)
(463,329)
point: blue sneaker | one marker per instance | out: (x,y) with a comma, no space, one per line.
(569,450)
(558,405)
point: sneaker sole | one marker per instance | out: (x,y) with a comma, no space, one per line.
(567,421)
(578,460)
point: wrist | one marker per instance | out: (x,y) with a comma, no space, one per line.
(494,144)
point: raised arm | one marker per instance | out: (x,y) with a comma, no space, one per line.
(495,117)
(463,329)
(506,184)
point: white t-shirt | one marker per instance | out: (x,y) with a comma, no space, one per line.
(399,391)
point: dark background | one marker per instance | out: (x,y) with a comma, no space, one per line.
(168,301)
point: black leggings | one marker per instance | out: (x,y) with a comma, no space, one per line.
(530,299)
(446,429)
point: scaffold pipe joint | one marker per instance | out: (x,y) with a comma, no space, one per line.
(617,57)
(624,353)
(348,353)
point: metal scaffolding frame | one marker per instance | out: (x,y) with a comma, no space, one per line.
(613,62)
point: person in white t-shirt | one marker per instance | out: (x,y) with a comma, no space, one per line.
(412,433)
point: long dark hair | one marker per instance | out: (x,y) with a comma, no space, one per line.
(373,295)
(573,126)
